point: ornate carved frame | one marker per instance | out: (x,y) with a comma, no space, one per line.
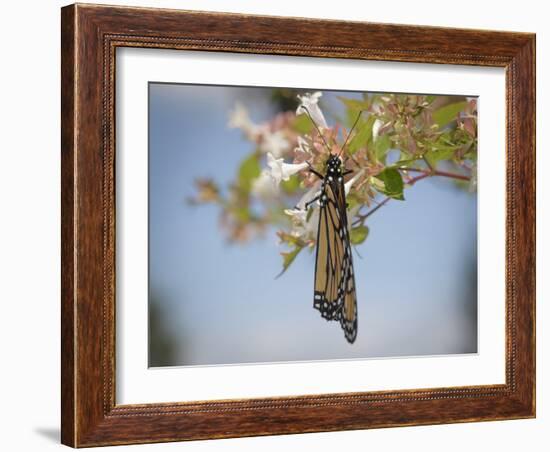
(90,36)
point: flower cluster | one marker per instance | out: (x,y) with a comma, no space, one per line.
(388,142)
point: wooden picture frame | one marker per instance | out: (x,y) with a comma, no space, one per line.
(90,36)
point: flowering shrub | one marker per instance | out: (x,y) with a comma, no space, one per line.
(397,141)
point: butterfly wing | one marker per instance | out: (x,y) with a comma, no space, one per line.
(334,294)
(348,314)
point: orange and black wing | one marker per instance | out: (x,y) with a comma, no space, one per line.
(334,294)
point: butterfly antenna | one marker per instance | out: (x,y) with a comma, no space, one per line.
(317,128)
(350,132)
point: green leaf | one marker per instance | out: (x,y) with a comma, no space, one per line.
(381,146)
(241,213)
(288,258)
(435,156)
(354,108)
(407,163)
(354,104)
(362,136)
(352,201)
(248,171)
(430,98)
(291,185)
(448,113)
(289,239)
(442,149)
(358,235)
(302,124)
(393,183)
(471,154)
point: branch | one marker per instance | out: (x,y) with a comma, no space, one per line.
(414,180)
(437,173)
(361,218)
(425,174)
(452,175)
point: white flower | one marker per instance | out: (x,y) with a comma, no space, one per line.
(301,226)
(376,129)
(282,171)
(303,146)
(376,108)
(308,196)
(298,224)
(310,102)
(264,186)
(297,215)
(239,119)
(274,143)
(349,183)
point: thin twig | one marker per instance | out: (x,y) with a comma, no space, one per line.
(362,218)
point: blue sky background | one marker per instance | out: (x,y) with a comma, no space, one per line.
(212,302)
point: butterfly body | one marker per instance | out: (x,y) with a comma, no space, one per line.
(334,285)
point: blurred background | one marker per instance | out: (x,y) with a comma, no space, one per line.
(215,302)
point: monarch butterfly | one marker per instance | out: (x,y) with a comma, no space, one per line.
(334,280)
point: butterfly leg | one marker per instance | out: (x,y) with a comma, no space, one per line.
(309,203)
(347,172)
(311,170)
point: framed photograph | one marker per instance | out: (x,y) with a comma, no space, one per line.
(282,225)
